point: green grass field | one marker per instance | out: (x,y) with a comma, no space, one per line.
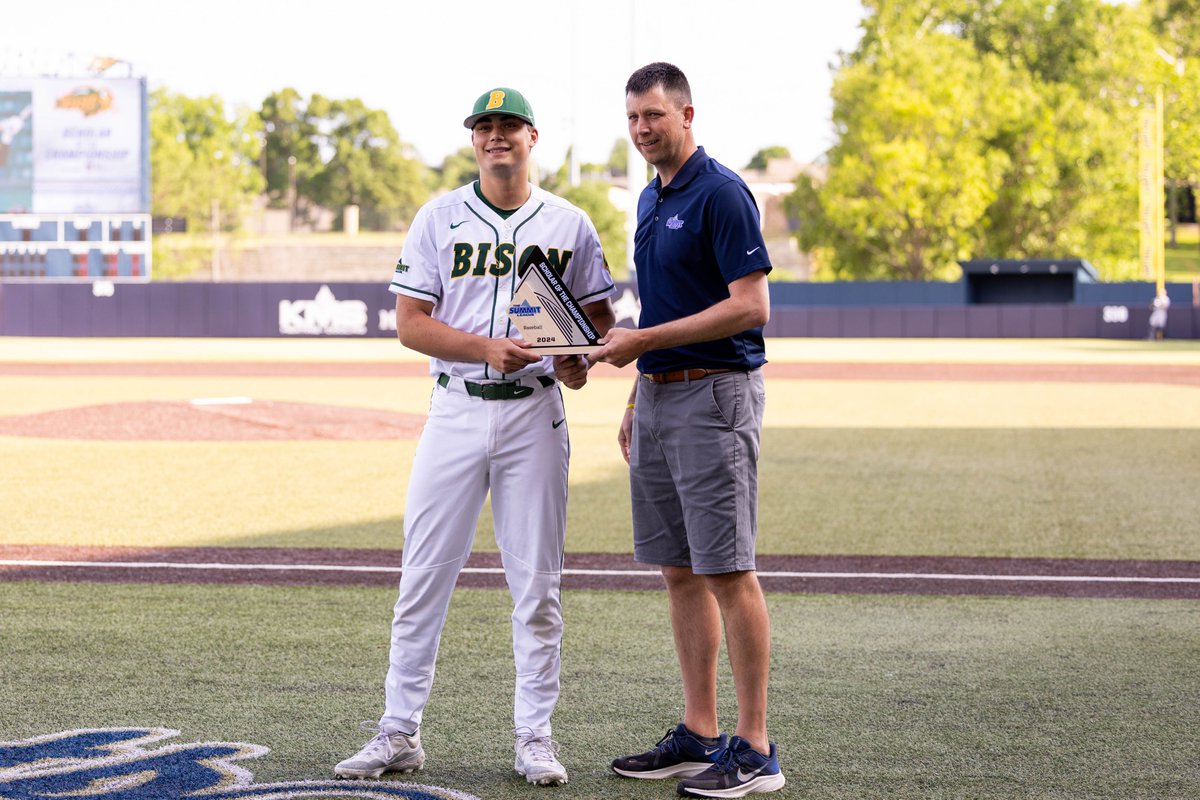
(872,696)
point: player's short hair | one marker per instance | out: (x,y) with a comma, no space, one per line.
(660,73)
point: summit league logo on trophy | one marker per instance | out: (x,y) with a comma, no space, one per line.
(546,313)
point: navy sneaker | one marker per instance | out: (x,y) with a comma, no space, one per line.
(740,771)
(680,752)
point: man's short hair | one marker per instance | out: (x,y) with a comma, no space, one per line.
(660,73)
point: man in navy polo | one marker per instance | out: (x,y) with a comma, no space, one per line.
(691,436)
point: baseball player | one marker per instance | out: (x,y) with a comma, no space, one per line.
(496,423)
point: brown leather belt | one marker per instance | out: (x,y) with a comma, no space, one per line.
(684,375)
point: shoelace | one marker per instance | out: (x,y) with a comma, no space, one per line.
(381,739)
(539,748)
(726,762)
(669,743)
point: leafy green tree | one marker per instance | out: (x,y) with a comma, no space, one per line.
(1070,188)
(458,169)
(760,159)
(290,156)
(981,128)
(1178,22)
(199,156)
(618,158)
(908,179)
(592,197)
(333,153)
(368,165)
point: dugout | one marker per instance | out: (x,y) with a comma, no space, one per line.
(1025,281)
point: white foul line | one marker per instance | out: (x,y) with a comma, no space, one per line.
(899,576)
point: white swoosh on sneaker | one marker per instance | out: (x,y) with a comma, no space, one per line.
(710,752)
(745,776)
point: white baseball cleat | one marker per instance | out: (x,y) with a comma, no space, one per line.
(386,752)
(537,760)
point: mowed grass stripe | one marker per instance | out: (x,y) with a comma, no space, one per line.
(1009,492)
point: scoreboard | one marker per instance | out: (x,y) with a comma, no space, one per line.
(74,178)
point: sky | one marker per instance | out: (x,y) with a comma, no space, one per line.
(760,70)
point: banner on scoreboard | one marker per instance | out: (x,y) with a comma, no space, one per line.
(74,145)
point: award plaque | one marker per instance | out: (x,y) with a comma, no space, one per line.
(546,313)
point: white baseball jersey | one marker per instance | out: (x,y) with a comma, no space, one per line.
(462,256)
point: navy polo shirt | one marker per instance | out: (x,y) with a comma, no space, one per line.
(694,238)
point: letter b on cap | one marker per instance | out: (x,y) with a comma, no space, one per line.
(496,100)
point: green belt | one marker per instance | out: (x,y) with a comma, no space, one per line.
(497,391)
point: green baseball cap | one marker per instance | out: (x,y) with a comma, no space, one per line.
(500,101)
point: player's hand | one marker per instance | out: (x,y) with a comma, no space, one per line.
(509,355)
(571,370)
(620,347)
(625,434)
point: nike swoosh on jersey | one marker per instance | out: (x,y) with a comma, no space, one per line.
(748,252)
(454,225)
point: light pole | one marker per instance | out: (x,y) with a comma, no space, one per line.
(291,193)
(1160,174)
(216,221)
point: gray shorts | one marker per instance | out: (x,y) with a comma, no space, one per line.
(693,472)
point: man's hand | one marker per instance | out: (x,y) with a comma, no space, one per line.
(571,370)
(509,355)
(625,434)
(620,347)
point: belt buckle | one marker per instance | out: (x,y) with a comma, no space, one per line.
(504,391)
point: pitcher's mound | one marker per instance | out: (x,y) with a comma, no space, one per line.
(234,419)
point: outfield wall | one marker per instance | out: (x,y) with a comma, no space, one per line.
(102,308)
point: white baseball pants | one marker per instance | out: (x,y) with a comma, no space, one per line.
(518,450)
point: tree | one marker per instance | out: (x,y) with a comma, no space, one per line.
(760,159)
(980,128)
(199,156)
(908,180)
(290,156)
(333,153)
(1178,22)
(592,198)
(618,158)
(368,166)
(458,169)
(1070,188)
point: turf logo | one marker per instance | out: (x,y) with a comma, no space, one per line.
(134,764)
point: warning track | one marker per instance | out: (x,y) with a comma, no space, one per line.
(828,574)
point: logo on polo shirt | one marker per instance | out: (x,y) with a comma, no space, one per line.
(675,223)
